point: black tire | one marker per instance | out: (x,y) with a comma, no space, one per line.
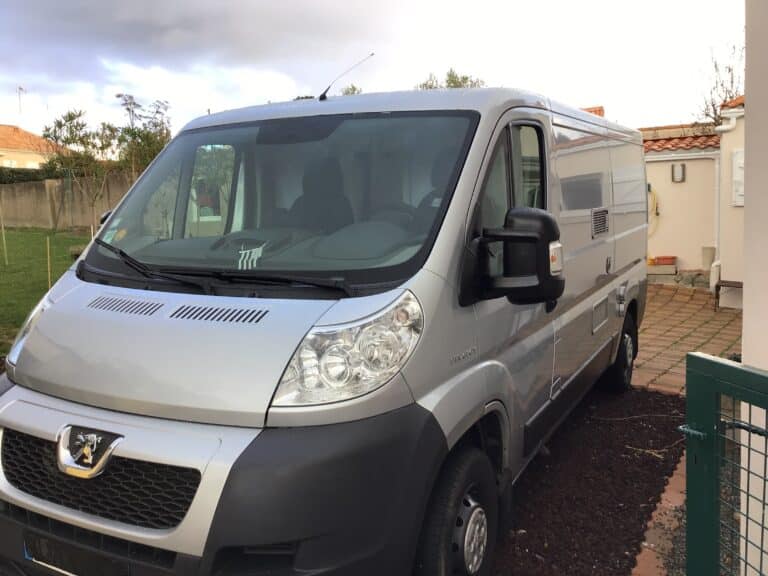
(465,497)
(618,378)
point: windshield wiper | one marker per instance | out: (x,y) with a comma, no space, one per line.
(148,271)
(257,277)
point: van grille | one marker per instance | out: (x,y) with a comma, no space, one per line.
(131,491)
(125,305)
(130,551)
(217,314)
(599,222)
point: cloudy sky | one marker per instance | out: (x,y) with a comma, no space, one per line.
(648,62)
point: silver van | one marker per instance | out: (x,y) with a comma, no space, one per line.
(324,337)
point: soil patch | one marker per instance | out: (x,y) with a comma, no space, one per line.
(581,508)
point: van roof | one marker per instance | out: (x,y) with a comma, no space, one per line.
(482,100)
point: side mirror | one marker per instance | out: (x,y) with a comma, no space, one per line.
(104,217)
(532,257)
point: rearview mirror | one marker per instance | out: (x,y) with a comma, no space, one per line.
(532,258)
(104,217)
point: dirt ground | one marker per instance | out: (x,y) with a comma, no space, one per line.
(582,508)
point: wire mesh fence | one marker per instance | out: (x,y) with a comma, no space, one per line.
(727,468)
(30,261)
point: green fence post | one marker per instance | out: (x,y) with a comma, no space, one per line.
(702,473)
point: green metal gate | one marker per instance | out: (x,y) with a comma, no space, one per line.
(726,468)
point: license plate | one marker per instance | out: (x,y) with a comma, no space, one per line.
(70,560)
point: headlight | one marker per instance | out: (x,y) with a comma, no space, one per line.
(346,361)
(13,355)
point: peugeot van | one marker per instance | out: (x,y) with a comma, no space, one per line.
(324,337)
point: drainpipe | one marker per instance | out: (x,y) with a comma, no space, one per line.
(714,270)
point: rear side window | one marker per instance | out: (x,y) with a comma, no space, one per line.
(583,164)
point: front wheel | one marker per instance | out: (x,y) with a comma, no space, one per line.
(460,529)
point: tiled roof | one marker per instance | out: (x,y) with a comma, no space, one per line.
(687,143)
(680,137)
(15,138)
(735,103)
(596,110)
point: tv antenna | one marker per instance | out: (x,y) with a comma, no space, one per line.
(20,90)
(324,95)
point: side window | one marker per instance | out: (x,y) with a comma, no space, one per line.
(211,187)
(528,167)
(494,200)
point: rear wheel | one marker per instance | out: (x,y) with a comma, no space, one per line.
(619,375)
(460,529)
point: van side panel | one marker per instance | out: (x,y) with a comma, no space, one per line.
(583,324)
(630,199)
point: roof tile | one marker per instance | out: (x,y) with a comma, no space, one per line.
(682,143)
(735,103)
(15,138)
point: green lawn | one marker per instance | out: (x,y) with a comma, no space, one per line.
(24,281)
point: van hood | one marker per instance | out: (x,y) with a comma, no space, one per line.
(185,357)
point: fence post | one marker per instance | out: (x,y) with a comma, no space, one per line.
(702,472)
(48,252)
(2,231)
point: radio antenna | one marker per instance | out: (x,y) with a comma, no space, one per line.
(324,95)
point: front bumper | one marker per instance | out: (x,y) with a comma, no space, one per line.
(338,500)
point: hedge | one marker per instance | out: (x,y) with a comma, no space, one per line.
(15,175)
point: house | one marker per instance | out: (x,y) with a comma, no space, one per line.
(22,149)
(696,198)
(730,272)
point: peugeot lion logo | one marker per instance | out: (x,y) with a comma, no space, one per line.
(84,453)
(86,445)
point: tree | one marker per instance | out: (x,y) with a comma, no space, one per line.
(351,90)
(452,80)
(147,133)
(81,154)
(131,107)
(88,157)
(728,84)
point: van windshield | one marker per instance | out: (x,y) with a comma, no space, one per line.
(352,196)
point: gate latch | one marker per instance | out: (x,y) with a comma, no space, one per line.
(692,432)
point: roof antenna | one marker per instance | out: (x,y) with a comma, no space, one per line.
(324,95)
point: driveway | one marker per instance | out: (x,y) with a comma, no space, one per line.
(677,321)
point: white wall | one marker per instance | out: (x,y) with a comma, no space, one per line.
(686,220)
(755,335)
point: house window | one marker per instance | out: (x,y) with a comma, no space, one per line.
(9,163)
(738,177)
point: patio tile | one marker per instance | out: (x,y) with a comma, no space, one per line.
(678,321)
(642,377)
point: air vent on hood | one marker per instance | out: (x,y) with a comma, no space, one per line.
(125,305)
(217,314)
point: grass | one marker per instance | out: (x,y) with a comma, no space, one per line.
(25,280)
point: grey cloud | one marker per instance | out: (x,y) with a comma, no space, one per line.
(67,39)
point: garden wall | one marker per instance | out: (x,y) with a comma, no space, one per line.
(55,204)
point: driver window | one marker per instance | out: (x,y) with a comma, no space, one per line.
(211,186)
(494,199)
